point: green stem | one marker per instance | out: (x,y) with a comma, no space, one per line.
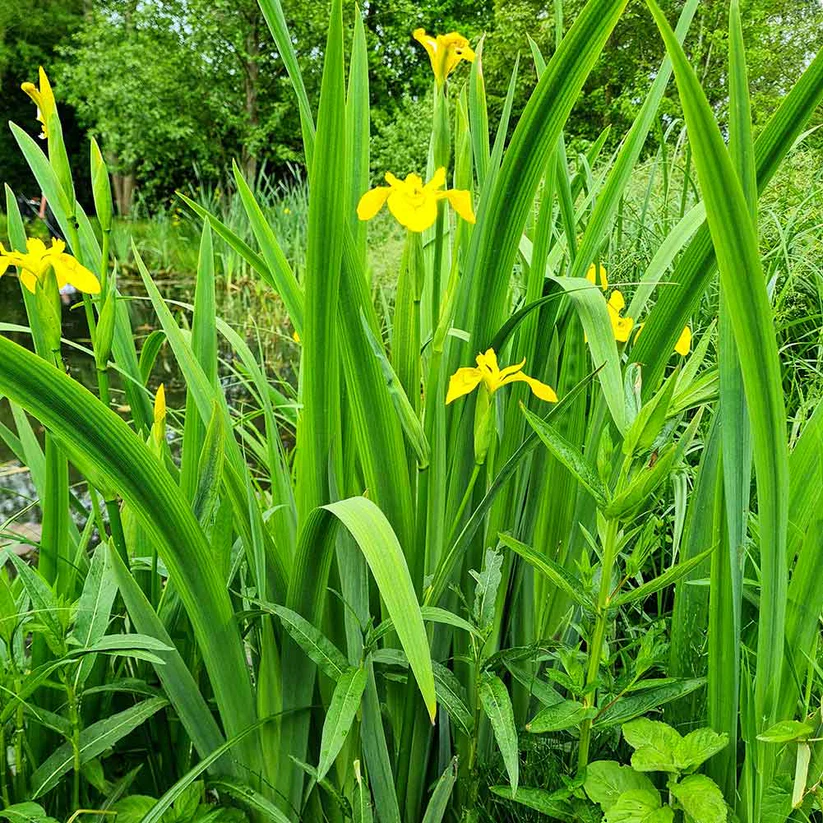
(599,634)
(464,502)
(74,719)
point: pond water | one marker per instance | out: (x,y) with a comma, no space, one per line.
(16,489)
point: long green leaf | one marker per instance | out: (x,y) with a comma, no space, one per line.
(94,740)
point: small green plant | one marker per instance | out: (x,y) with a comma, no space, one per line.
(626,794)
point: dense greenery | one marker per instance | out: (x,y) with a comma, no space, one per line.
(500,496)
(215,88)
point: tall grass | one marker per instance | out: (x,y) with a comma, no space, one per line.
(361,601)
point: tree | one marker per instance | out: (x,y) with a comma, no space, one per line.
(30,32)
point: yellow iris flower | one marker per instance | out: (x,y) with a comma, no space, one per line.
(466,380)
(445,52)
(413,203)
(43,98)
(622,326)
(683,345)
(36,261)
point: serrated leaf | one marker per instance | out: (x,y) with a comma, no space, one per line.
(559,576)
(655,745)
(607,780)
(569,455)
(701,799)
(639,806)
(452,697)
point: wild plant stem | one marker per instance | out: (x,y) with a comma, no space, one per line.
(74,719)
(596,645)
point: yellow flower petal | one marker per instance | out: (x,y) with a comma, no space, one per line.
(684,342)
(540,390)
(591,275)
(415,213)
(160,405)
(372,201)
(462,382)
(70,271)
(617,301)
(461,202)
(438,180)
(28,280)
(508,371)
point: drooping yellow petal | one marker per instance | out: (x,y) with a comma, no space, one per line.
(415,213)
(28,280)
(462,382)
(540,390)
(70,271)
(591,275)
(684,342)
(372,201)
(461,202)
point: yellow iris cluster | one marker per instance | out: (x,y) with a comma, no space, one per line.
(622,326)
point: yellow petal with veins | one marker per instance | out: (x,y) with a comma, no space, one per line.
(462,382)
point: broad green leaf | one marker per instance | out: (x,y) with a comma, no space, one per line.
(607,780)
(743,284)
(94,608)
(363,812)
(639,806)
(487,583)
(494,697)
(701,799)
(560,716)
(655,744)
(378,542)
(698,746)
(340,715)
(786,731)
(27,812)
(94,740)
